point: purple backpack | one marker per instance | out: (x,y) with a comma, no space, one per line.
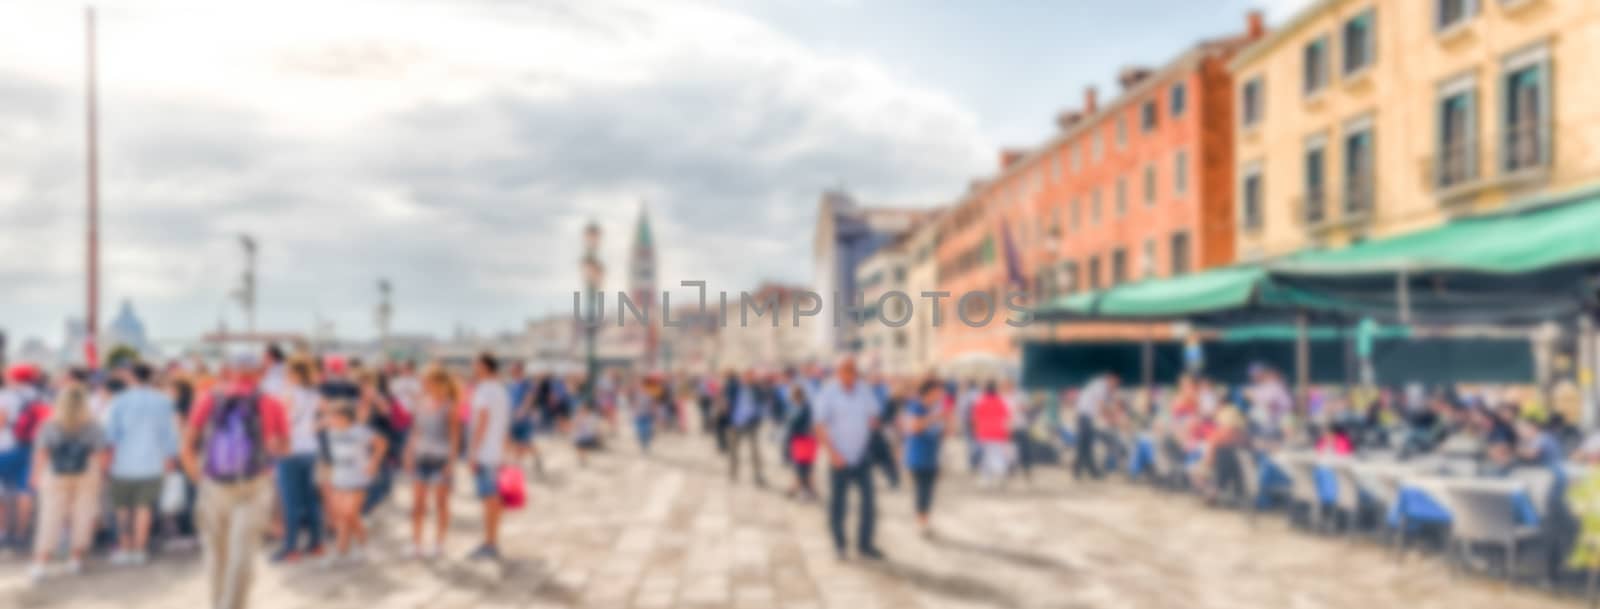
(234,446)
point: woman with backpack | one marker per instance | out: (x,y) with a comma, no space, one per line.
(70,463)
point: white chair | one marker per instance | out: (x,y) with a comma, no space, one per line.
(1348,498)
(1252,483)
(1539,481)
(1483,513)
(1301,471)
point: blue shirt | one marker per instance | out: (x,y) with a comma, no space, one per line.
(519,392)
(745,410)
(922,448)
(142,429)
(848,415)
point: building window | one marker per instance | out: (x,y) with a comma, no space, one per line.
(1150,185)
(1122,131)
(1147,116)
(1122,196)
(1451,13)
(1315,69)
(1119,266)
(1094,206)
(1148,264)
(1250,198)
(1180,172)
(1526,119)
(1178,99)
(1360,178)
(1094,272)
(1316,180)
(1077,160)
(1180,253)
(1457,144)
(1099,148)
(1077,213)
(1251,103)
(1360,42)
(1069,277)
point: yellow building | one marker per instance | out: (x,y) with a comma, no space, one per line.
(1363,119)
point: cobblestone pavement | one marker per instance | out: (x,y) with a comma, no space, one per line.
(672,531)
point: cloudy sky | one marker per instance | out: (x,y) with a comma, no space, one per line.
(457,146)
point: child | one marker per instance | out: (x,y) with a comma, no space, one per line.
(802,444)
(355,450)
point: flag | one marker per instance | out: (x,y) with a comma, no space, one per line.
(1014,276)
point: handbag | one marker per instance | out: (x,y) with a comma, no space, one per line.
(173,493)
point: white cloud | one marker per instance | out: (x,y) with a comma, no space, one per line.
(455,147)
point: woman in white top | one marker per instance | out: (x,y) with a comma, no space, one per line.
(297,484)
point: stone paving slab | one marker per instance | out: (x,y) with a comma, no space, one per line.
(671,531)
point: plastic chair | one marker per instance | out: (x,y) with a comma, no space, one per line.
(1252,484)
(1301,471)
(1539,481)
(1483,514)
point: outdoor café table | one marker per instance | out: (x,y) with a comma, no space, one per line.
(1423,499)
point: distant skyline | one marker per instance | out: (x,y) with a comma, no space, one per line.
(456,148)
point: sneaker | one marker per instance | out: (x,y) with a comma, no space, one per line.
(484,552)
(74,567)
(284,557)
(871,553)
(118,558)
(434,551)
(36,573)
(138,558)
(357,555)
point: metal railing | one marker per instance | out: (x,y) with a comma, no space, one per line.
(1527,145)
(1456,164)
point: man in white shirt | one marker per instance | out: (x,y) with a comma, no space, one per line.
(1091,401)
(846,411)
(491,423)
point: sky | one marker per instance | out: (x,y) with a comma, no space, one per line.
(457,147)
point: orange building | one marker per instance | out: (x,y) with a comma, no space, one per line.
(1141,187)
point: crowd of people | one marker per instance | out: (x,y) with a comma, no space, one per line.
(307,447)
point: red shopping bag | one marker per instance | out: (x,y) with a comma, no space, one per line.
(803,449)
(513,489)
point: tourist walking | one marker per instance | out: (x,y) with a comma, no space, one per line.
(142,431)
(68,449)
(926,420)
(991,428)
(1092,401)
(745,399)
(431,457)
(232,436)
(22,409)
(357,452)
(846,411)
(486,445)
(297,483)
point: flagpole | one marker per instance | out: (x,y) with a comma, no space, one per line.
(92,317)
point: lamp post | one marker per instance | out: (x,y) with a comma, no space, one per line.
(593,273)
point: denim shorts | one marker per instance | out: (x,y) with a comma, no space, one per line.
(15,465)
(483,481)
(432,470)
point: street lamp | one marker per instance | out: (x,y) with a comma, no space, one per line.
(594,272)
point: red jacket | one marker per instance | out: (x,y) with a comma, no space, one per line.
(991,419)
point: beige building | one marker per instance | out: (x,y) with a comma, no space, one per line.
(886,309)
(1363,119)
(771,339)
(922,275)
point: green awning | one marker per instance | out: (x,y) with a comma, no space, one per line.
(1211,292)
(1286,332)
(1543,235)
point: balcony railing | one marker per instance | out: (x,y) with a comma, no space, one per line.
(1457,164)
(1527,146)
(1360,192)
(1313,206)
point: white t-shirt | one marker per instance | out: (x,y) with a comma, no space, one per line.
(491,398)
(407,389)
(301,404)
(351,452)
